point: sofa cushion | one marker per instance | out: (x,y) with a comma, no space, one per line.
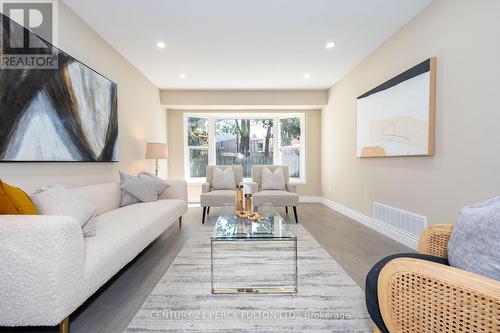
(13,201)
(223,179)
(105,197)
(474,244)
(122,234)
(273,180)
(58,200)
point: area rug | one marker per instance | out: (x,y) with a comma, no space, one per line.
(328,300)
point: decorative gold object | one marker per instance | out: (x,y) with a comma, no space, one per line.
(239,197)
(248,202)
(249,215)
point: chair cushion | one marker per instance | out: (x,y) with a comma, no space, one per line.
(276,198)
(217,198)
(474,244)
(273,180)
(223,179)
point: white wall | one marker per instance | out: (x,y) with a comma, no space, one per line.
(464,35)
(140,115)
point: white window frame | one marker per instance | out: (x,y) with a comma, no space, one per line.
(241,115)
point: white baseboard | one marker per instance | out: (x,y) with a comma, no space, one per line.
(371,223)
(310,199)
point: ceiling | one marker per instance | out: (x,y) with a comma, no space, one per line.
(245,44)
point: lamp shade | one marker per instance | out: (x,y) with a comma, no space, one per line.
(156,150)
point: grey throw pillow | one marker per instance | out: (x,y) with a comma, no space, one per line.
(58,200)
(223,179)
(273,180)
(127,198)
(145,187)
(474,244)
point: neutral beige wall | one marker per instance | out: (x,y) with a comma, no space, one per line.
(464,36)
(140,116)
(176,99)
(313,144)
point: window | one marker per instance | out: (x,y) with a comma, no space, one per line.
(290,145)
(246,140)
(197,139)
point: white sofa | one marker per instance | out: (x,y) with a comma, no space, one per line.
(48,269)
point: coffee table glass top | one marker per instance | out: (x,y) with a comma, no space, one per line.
(234,228)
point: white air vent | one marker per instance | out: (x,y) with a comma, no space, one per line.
(410,224)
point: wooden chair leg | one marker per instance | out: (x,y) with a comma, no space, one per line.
(208,210)
(295,213)
(180,222)
(286,210)
(64,325)
(204,212)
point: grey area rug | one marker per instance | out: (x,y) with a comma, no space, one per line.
(328,300)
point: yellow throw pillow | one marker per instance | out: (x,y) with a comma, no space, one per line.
(13,201)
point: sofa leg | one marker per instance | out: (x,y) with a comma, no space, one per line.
(180,222)
(204,212)
(286,210)
(295,213)
(208,211)
(64,325)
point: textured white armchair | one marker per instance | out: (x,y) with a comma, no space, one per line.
(217,198)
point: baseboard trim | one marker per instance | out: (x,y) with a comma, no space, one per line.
(310,199)
(371,223)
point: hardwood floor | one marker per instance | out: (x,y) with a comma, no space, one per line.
(354,246)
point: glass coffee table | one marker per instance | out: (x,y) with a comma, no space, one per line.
(253,257)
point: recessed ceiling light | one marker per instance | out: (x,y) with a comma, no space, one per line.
(307,75)
(330,45)
(182,76)
(161,45)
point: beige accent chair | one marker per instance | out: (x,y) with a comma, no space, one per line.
(218,198)
(277,198)
(420,296)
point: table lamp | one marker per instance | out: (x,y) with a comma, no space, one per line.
(156,151)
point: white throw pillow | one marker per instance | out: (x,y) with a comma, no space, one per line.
(273,180)
(127,198)
(58,200)
(223,179)
(145,187)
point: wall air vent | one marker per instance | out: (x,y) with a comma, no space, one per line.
(399,220)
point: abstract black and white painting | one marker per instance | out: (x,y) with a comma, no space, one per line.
(63,114)
(396,118)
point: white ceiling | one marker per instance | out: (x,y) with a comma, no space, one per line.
(245,44)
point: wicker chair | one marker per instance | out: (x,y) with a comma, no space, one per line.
(420,296)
